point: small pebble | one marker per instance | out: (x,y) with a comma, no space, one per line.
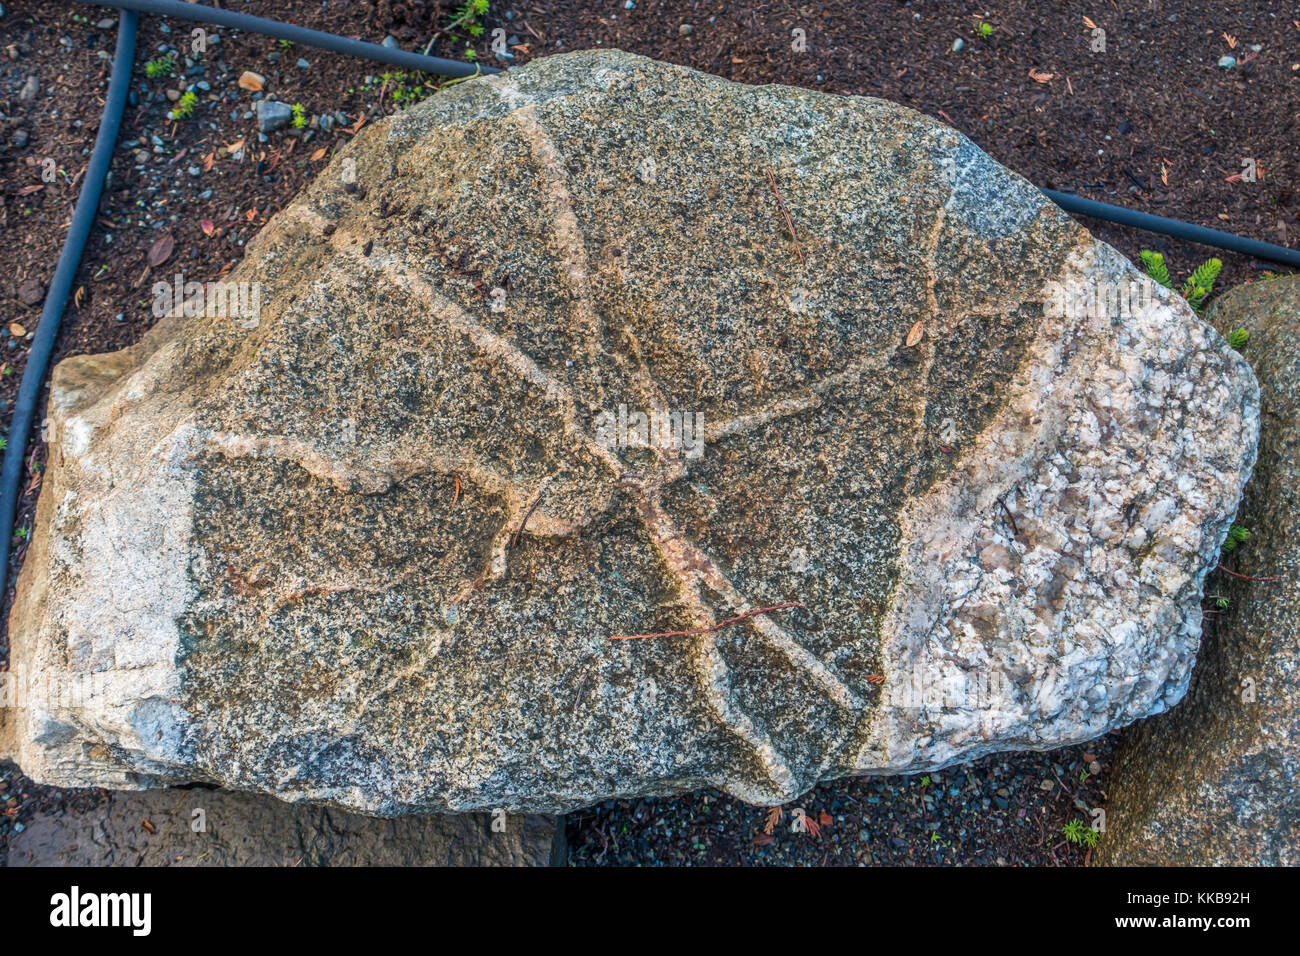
(1227,62)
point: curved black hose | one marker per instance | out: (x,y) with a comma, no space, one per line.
(1172,227)
(284,31)
(453,68)
(38,359)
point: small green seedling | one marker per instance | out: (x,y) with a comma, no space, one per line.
(184,107)
(984,29)
(299,116)
(466,15)
(1198,285)
(1238,338)
(1080,834)
(1237,535)
(160,66)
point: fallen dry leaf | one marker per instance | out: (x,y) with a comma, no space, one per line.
(1089,24)
(825,819)
(28,190)
(1038,77)
(234,147)
(915,334)
(148,825)
(253,82)
(16,330)
(161,250)
(763,839)
(319,154)
(208,227)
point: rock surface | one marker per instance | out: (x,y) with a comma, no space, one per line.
(1213,782)
(369,545)
(198,827)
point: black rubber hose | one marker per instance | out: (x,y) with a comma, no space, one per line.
(38,359)
(428,64)
(284,31)
(1172,227)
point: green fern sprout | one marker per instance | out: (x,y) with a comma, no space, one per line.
(1198,285)
(1238,338)
(1237,535)
(1201,282)
(160,66)
(184,107)
(1154,263)
(1079,834)
(299,115)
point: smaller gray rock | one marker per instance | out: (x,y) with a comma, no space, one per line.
(958,45)
(390,42)
(303,64)
(30,90)
(686,29)
(31,292)
(273,115)
(19,139)
(1227,62)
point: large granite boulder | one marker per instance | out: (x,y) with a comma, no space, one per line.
(539,364)
(1213,782)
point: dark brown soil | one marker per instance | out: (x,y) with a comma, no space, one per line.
(1152,123)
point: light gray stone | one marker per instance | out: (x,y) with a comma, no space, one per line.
(273,115)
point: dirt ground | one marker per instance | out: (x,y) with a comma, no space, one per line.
(1125,102)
